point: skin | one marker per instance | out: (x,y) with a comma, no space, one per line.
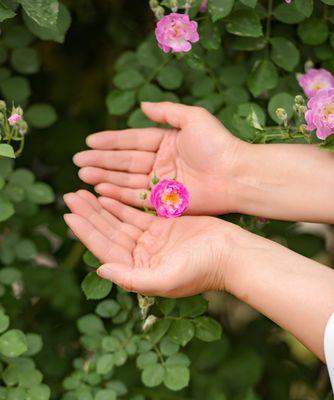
(155,256)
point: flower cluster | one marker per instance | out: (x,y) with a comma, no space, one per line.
(12,123)
(175,32)
(170,198)
(318,85)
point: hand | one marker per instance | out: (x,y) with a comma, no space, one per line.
(198,151)
(150,255)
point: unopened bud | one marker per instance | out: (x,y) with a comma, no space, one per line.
(23,127)
(159,12)
(281,114)
(303,128)
(155,180)
(3,105)
(149,322)
(308,65)
(173,5)
(299,100)
(143,196)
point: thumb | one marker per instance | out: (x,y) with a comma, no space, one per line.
(174,114)
(131,279)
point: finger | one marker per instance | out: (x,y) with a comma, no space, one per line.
(140,280)
(128,229)
(82,207)
(127,214)
(174,114)
(130,161)
(96,242)
(94,176)
(129,196)
(146,139)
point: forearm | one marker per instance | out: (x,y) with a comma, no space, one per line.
(295,292)
(284,181)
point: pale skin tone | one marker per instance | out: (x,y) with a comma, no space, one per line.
(154,256)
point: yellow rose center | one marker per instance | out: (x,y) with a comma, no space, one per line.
(171,198)
(318,86)
(328,110)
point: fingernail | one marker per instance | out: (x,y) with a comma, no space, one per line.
(103,272)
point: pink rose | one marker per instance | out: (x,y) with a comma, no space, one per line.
(170,198)
(175,32)
(320,115)
(14,119)
(315,80)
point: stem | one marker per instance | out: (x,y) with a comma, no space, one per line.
(74,256)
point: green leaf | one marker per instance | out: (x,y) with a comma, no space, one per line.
(6,209)
(34,343)
(120,102)
(22,177)
(313,31)
(16,89)
(166,306)
(153,375)
(44,12)
(181,331)
(288,13)
(176,377)
(9,275)
(191,307)
(159,329)
(219,9)
(4,321)
(305,7)
(40,392)
(95,287)
(178,359)
(138,119)
(13,343)
(170,77)
(107,308)
(57,32)
(104,364)
(110,343)
(41,115)
(150,92)
(328,143)
(25,249)
(40,193)
(25,60)
(244,23)
(128,79)
(91,260)
(207,329)
(284,53)
(6,150)
(6,167)
(168,347)
(146,359)
(249,3)
(6,13)
(210,35)
(105,394)
(263,77)
(281,100)
(90,324)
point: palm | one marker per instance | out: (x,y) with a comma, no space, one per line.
(149,254)
(199,153)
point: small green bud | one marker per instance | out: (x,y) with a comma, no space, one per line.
(155,180)
(281,114)
(23,127)
(303,128)
(143,196)
(299,100)
(3,105)
(308,65)
(159,12)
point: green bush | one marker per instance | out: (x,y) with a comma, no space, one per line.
(63,339)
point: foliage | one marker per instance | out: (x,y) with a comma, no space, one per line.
(242,70)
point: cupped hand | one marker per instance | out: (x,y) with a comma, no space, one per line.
(147,254)
(197,151)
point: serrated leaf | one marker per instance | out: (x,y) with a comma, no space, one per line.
(95,287)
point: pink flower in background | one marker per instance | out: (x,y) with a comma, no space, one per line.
(320,115)
(175,32)
(14,119)
(203,6)
(170,198)
(315,80)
